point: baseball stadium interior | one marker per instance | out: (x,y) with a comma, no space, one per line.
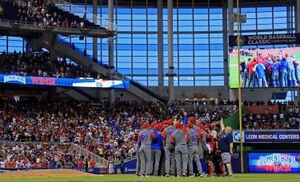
(148,88)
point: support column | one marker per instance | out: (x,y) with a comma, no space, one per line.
(225,49)
(95,40)
(230,32)
(111,49)
(288,17)
(52,38)
(298,17)
(170,50)
(230,15)
(297,8)
(160,42)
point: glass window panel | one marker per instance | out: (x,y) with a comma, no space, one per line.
(203,71)
(153,81)
(139,71)
(201,83)
(216,71)
(217,83)
(152,71)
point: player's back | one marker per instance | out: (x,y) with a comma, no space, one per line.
(145,137)
(168,132)
(193,137)
(179,137)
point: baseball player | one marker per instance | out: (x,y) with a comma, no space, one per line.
(179,137)
(193,121)
(138,159)
(145,150)
(260,74)
(156,147)
(291,71)
(193,150)
(275,72)
(283,72)
(202,145)
(169,149)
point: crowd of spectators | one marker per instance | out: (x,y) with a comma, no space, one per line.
(285,121)
(30,155)
(108,131)
(42,155)
(287,116)
(111,131)
(40,12)
(40,64)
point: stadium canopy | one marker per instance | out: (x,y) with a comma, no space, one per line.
(186,3)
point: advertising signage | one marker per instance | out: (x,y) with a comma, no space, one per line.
(274,162)
(264,39)
(64,82)
(271,136)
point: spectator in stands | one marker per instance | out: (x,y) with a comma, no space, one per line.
(30,155)
(285,119)
(43,13)
(110,132)
(39,64)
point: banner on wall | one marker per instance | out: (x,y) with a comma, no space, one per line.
(274,162)
(129,167)
(262,109)
(265,39)
(237,136)
(270,136)
(64,82)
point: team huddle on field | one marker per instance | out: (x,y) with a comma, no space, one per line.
(181,150)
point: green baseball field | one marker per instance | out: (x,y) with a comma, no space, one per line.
(76,176)
(233,62)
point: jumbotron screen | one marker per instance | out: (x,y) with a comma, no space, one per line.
(266,68)
(274,162)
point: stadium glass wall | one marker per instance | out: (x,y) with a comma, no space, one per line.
(198,39)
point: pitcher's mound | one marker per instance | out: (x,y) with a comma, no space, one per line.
(43,174)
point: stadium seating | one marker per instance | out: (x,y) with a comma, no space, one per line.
(283,116)
(42,12)
(39,155)
(39,64)
(110,132)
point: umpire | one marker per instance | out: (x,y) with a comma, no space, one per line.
(226,147)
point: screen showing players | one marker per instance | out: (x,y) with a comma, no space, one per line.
(266,68)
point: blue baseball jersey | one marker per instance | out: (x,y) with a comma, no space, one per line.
(260,70)
(275,67)
(157,142)
(283,65)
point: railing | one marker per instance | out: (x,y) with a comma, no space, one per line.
(67,6)
(82,151)
(40,26)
